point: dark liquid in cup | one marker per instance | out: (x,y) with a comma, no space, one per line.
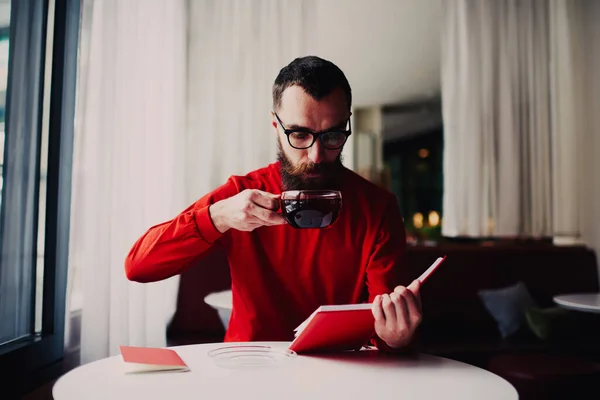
(311,213)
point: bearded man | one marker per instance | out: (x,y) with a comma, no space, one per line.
(281,274)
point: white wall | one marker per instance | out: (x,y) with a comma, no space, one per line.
(389,49)
(368,140)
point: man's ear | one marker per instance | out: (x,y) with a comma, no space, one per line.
(274,123)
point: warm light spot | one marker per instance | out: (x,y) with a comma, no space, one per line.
(423,153)
(434,218)
(418,220)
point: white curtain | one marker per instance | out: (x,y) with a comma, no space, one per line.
(236,49)
(173,98)
(128,169)
(511,98)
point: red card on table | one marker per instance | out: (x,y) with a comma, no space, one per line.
(146,359)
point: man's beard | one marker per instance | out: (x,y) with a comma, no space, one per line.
(296,177)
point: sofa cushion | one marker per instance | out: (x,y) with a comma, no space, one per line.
(558,324)
(507,306)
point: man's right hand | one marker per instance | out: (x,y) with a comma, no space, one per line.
(246,211)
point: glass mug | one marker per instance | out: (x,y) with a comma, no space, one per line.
(304,209)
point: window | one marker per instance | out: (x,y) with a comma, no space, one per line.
(38,54)
(4,33)
(413,153)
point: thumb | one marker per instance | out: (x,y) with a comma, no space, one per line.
(415,287)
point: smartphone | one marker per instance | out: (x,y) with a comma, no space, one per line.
(430,270)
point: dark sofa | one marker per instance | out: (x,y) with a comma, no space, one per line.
(456,324)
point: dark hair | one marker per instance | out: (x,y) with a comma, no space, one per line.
(318,77)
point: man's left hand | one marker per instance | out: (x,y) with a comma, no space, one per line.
(398,314)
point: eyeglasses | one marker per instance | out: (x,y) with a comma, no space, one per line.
(302,138)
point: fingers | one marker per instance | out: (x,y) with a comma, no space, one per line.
(251,226)
(265,200)
(251,217)
(389,310)
(397,315)
(378,313)
(265,205)
(257,210)
(267,217)
(415,289)
(401,311)
(411,314)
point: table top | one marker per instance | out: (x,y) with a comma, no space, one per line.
(222,300)
(589,302)
(353,375)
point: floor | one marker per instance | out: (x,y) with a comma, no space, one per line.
(44,392)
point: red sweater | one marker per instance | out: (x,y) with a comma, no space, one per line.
(280,275)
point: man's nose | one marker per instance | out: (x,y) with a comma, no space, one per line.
(316,153)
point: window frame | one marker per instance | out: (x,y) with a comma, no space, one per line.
(31,361)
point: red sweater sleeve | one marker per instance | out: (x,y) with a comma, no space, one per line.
(169,248)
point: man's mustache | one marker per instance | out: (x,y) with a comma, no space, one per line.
(324,168)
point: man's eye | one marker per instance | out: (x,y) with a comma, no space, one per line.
(300,135)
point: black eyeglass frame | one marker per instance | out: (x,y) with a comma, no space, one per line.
(316,135)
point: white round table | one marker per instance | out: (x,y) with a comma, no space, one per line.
(362,375)
(588,302)
(223,303)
